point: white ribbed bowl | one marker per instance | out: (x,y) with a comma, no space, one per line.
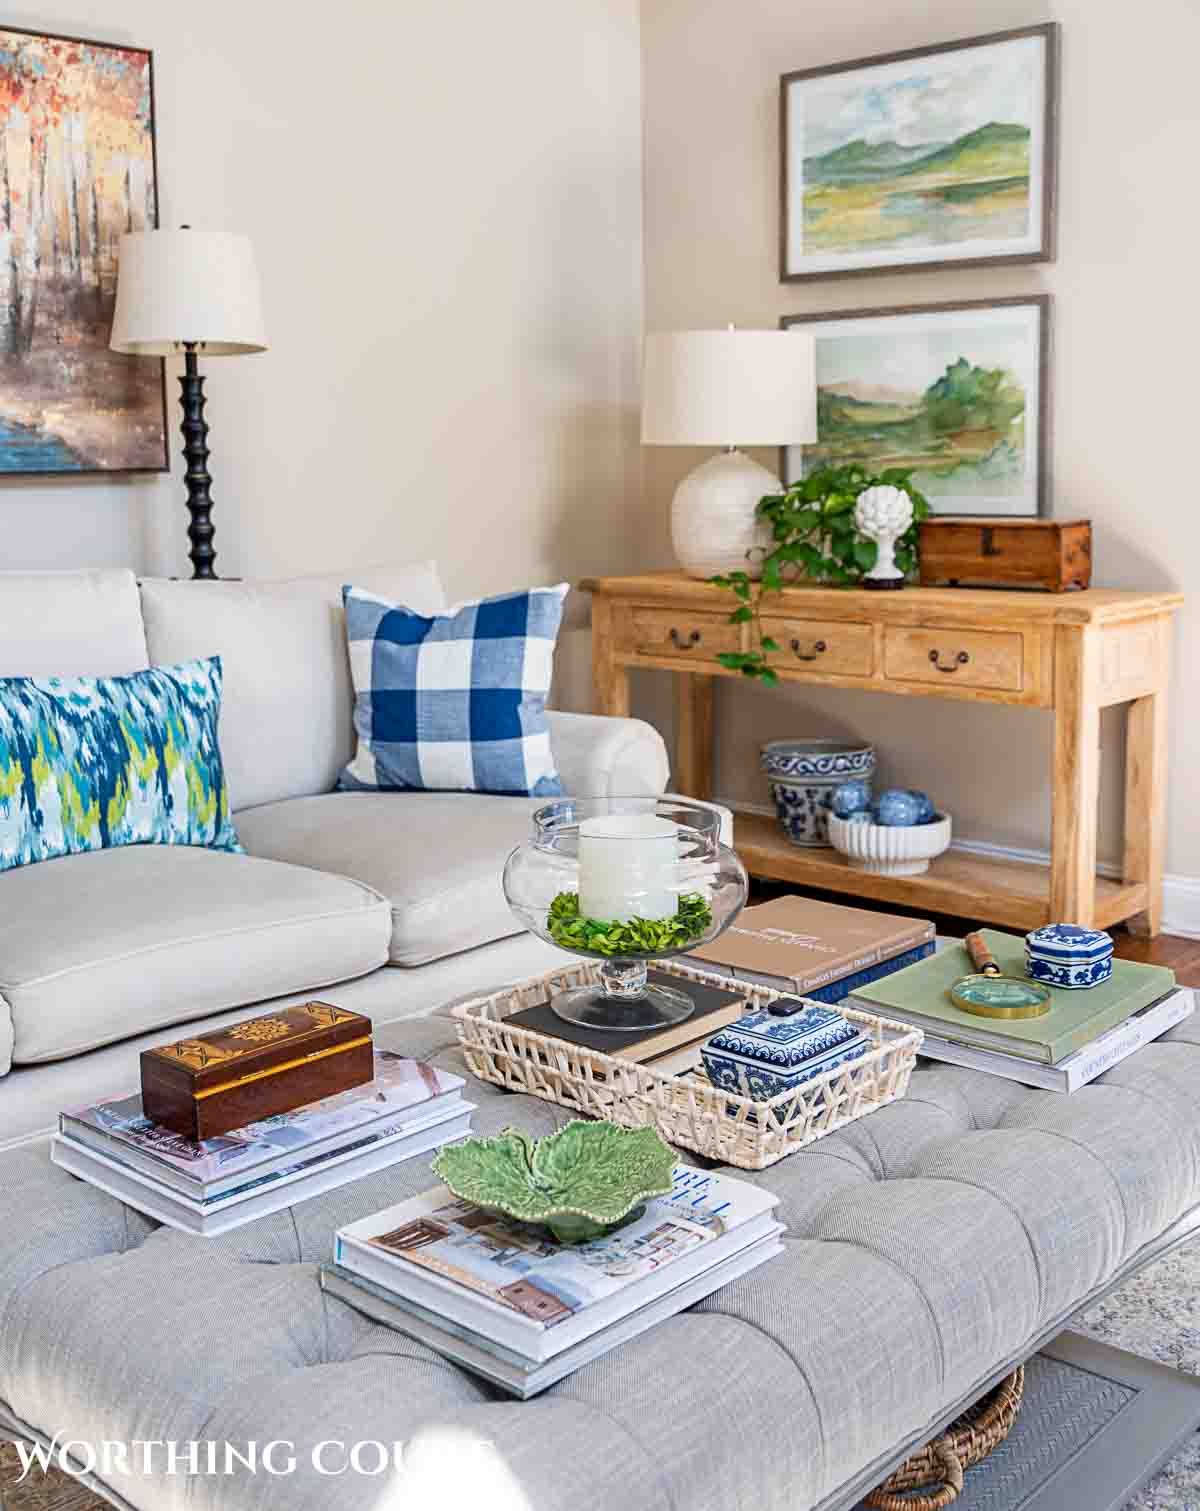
(890,851)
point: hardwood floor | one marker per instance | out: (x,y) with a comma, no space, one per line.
(1181,955)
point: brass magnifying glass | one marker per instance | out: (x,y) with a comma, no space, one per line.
(990,994)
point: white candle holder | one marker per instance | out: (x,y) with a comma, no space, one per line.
(625,881)
(883,514)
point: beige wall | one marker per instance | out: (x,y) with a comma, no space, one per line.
(445,198)
(1126,341)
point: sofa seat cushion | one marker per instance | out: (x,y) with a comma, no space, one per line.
(437,856)
(96,947)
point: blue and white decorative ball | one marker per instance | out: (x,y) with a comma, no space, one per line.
(850,798)
(926,812)
(899,808)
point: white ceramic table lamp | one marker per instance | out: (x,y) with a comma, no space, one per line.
(189,293)
(726,388)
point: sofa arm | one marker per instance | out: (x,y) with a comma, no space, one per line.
(602,757)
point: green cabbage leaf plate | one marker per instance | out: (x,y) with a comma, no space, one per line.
(580,1182)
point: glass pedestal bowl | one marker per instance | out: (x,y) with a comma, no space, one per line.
(625,881)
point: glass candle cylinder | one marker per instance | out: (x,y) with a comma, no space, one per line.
(628,867)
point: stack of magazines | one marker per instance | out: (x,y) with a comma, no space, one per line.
(210,1187)
(508,1301)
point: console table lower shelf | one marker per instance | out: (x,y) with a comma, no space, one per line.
(1015,894)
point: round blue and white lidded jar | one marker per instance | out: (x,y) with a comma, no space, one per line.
(1067,956)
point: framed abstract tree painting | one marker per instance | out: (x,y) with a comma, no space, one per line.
(77,170)
(936,157)
(956,395)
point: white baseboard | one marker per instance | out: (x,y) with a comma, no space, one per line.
(1181,894)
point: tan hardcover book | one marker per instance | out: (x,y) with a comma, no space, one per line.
(797,944)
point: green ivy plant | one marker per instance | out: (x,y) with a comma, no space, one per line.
(815,537)
(640,936)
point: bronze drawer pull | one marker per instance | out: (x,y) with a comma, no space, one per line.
(678,641)
(819,649)
(960,660)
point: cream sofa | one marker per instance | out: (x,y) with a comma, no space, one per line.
(105,953)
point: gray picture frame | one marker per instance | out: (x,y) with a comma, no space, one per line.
(1042,303)
(791,178)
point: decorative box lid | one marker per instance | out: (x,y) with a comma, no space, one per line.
(784,1042)
(1067,943)
(259,1046)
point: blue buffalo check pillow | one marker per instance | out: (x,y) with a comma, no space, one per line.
(454,702)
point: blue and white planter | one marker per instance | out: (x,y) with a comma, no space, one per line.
(817,760)
(760,1055)
(804,775)
(1067,956)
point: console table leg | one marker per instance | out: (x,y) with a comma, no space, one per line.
(1076,787)
(610,680)
(694,734)
(1146,802)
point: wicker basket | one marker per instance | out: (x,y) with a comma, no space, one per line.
(967,1442)
(687,1110)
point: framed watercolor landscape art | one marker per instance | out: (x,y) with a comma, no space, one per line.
(955,394)
(935,157)
(77,170)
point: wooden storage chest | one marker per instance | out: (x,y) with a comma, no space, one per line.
(1055,555)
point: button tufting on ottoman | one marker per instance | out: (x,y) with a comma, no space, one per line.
(929,1245)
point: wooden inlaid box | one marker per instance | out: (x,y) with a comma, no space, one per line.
(1055,555)
(206,1086)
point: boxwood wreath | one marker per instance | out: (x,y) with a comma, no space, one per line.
(815,538)
(640,936)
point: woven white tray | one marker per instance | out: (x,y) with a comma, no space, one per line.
(686,1110)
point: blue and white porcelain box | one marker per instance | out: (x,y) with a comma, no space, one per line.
(1064,955)
(761,1055)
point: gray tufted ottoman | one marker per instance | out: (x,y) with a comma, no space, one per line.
(931,1246)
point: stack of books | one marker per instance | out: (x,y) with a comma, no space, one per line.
(509,1302)
(819,950)
(1084,1034)
(210,1187)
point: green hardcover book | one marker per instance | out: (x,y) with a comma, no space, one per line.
(920,995)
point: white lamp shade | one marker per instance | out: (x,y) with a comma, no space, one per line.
(177,286)
(729,388)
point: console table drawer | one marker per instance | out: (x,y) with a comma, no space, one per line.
(683,633)
(809,645)
(968,658)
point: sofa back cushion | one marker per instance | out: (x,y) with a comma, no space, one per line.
(287,712)
(70,624)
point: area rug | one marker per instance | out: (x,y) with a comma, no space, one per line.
(1156,1315)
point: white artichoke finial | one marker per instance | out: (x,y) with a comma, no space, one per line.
(883,514)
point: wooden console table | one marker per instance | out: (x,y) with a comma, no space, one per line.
(1075,653)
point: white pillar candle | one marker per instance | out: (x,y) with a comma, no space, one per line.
(628,867)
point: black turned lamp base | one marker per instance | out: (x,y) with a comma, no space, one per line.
(199,482)
(883,584)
